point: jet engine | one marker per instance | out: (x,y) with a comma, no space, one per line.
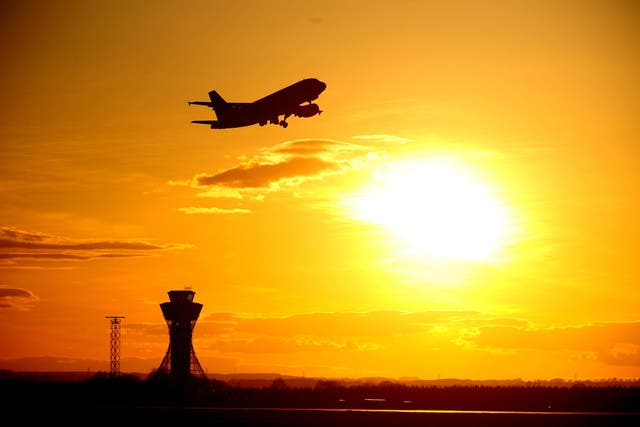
(307,110)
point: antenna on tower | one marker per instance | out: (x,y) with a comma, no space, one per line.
(115,344)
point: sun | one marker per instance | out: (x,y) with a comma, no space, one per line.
(437,207)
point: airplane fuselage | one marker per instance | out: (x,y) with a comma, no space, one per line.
(285,102)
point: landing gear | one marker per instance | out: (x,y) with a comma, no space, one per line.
(284,123)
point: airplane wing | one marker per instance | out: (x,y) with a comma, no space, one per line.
(291,101)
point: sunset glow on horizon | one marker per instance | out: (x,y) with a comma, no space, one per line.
(465,206)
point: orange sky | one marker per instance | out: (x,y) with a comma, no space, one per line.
(466,206)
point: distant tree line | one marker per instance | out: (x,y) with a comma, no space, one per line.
(103,390)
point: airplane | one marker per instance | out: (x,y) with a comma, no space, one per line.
(292,100)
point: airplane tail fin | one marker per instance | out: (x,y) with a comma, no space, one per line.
(216,99)
(218,104)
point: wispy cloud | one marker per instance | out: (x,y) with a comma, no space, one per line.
(63,256)
(259,175)
(616,343)
(17,244)
(284,167)
(11,238)
(338,331)
(219,192)
(19,298)
(365,341)
(288,164)
(471,331)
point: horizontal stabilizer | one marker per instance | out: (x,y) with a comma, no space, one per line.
(205,122)
(208,104)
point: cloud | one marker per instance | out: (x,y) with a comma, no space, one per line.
(625,354)
(268,344)
(288,164)
(324,148)
(15,293)
(457,342)
(18,244)
(63,256)
(199,210)
(219,192)
(98,245)
(340,331)
(19,235)
(257,175)
(349,324)
(16,298)
(611,343)
(326,332)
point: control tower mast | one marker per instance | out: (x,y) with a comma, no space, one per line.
(181,314)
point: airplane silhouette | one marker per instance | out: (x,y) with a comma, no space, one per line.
(285,102)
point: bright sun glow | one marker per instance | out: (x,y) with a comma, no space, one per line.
(436,207)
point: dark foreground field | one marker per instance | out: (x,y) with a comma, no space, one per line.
(268,417)
(160,402)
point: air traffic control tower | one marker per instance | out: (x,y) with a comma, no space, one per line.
(181,314)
